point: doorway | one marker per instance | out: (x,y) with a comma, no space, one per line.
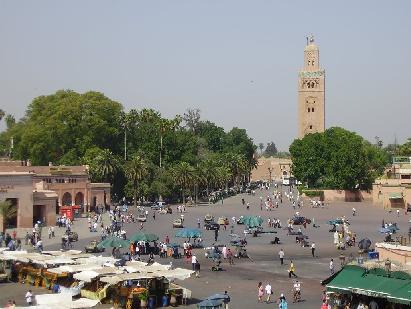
(39,214)
(11,221)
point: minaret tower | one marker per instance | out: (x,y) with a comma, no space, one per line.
(311,92)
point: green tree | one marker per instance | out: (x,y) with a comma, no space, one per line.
(61,127)
(70,128)
(183,174)
(261,147)
(405,149)
(10,121)
(270,150)
(238,166)
(165,126)
(136,169)
(7,212)
(337,159)
(213,135)
(192,119)
(223,176)
(207,170)
(105,166)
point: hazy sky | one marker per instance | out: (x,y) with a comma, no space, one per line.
(237,61)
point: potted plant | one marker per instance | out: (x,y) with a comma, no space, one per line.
(143,300)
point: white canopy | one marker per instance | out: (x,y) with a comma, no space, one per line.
(124,277)
(89,275)
(62,301)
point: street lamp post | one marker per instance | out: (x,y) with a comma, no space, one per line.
(270,169)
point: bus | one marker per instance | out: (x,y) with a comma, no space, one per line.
(286,181)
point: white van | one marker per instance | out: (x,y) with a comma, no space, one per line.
(286,181)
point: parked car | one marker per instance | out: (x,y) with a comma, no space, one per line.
(141,218)
(257,230)
(158,205)
(222,221)
(92,247)
(208,218)
(300,220)
(212,226)
(178,223)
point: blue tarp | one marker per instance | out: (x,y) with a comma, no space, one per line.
(189,233)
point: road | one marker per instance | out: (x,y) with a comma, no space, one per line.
(240,280)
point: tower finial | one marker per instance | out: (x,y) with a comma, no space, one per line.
(311,38)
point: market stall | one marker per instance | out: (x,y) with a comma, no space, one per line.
(356,284)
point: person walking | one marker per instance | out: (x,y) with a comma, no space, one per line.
(283,304)
(230,257)
(215,235)
(260,291)
(193,262)
(268,292)
(331,267)
(197,268)
(29,298)
(313,249)
(281,256)
(291,270)
(226,300)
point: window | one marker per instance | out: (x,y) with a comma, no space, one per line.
(308,62)
(311,127)
(308,109)
(312,109)
(312,84)
(312,63)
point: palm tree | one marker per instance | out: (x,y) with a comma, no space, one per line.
(135,171)
(107,165)
(7,212)
(237,165)
(2,114)
(164,126)
(223,176)
(183,174)
(207,170)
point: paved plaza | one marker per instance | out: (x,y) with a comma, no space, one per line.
(241,279)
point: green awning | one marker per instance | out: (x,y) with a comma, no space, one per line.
(357,280)
(395,196)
